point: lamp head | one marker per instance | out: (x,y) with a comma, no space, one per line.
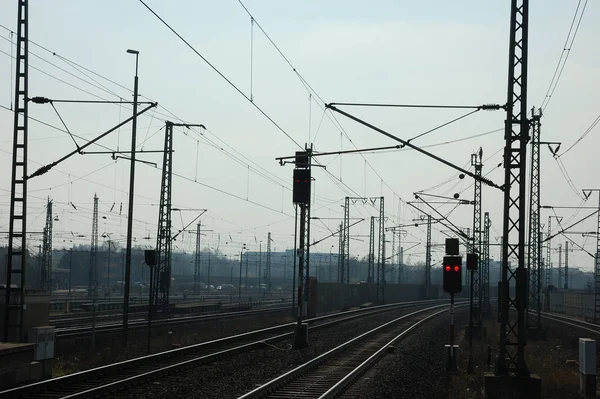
(130,51)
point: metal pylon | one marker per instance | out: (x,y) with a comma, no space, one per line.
(428,260)
(476,162)
(341,254)
(566,265)
(511,359)
(46,266)
(371,269)
(560,269)
(268,264)
(197,261)
(534,319)
(345,274)
(162,271)
(381,254)
(485,269)
(93,272)
(14,301)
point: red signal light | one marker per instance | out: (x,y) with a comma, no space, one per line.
(447,268)
(456,268)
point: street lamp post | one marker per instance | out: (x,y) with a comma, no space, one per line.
(131,190)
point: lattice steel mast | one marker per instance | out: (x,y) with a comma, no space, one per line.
(371,269)
(485,270)
(162,270)
(14,301)
(476,162)
(428,260)
(512,330)
(566,265)
(268,264)
(340,259)
(534,255)
(93,272)
(381,254)
(197,261)
(345,275)
(46,266)
(560,270)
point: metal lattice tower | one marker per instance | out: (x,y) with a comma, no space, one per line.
(566,265)
(534,254)
(393,269)
(93,272)
(548,254)
(560,269)
(428,260)
(268,264)
(587,193)
(371,270)
(162,270)
(511,359)
(485,269)
(476,162)
(340,259)
(46,266)
(14,301)
(400,264)
(381,254)
(197,261)
(345,270)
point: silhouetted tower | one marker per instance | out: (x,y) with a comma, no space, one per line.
(46,267)
(485,269)
(371,266)
(533,316)
(476,162)
(162,270)
(14,301)
(93,273)
(341,254)
(268,265)
(548,254)
(197,264)
(393,258)
(511,358)
(381,254)
(560,269)
(345,276)
(428,260)
(566,265)
(400,265)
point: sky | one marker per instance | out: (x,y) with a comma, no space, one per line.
(430,52)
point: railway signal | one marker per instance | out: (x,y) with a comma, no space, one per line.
(452,270)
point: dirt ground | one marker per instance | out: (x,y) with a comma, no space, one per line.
(554,359)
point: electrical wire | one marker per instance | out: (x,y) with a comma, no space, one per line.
(587,131)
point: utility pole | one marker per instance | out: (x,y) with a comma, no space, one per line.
(161,283)
(345,277)
(246,281)
(259,265)
(197,262)
(587,193)
(534,258)
(14,301)
(566,265)
(511,358)
(46,268)
(341,254)
(301,194)
(93,272)
(381,254)
(428,260)
(560,270)
(127,279)
(400,265)
(371,267)
(476,162)
(485,270)
(268,265)
(108,268)
(549,258)
(393,269)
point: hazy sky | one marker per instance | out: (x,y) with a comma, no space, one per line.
(429,52)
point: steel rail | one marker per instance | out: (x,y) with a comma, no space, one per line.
(291,376)
(581,324)
(97,375)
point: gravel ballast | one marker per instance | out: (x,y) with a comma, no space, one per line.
(241,373)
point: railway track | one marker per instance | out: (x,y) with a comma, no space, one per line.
(329,374)
(142,323)
(117,376)
(581,324)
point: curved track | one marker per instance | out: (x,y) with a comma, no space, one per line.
(329,374)
(581,324)
(113,377)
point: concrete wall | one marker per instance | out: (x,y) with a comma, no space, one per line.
(35,315)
